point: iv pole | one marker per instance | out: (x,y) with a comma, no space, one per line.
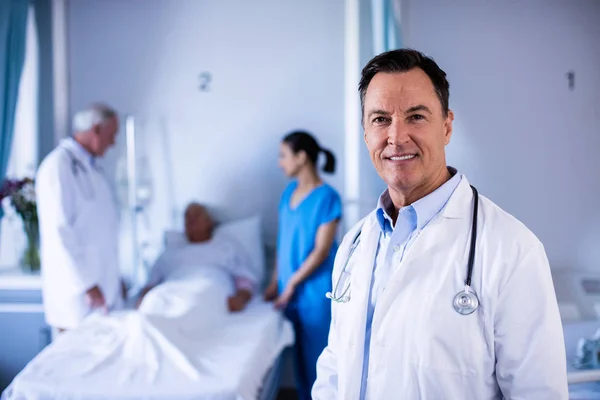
(132,194)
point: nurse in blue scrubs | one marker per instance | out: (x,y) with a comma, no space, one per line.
(309,214)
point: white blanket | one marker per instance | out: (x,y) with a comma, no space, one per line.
(181,344)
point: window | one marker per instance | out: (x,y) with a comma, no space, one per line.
(24,152)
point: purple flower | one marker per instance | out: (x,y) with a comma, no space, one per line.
(22,197)
(11,186)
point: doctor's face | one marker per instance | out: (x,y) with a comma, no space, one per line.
(406,132)
(105,135)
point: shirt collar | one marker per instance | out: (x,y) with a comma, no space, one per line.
(384,208)
(425,208)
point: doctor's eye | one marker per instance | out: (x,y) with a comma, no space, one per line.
(416,117)
(380,120)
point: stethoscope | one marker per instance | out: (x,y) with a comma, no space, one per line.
(465,302)
(76,166)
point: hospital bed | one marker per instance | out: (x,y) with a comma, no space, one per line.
(578,294)
(181,344)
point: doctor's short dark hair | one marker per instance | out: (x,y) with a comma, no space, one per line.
(304,141)
(404,60)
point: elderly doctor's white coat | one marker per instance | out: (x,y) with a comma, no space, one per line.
(79,235)
(421,348)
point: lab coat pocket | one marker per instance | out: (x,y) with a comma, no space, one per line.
(343,319)
(92,271)
(350,316)
(451,342)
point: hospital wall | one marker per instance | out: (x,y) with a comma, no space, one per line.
(521,135)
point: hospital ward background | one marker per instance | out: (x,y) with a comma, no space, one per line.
(205,90)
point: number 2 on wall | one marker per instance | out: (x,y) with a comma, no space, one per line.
(204,81)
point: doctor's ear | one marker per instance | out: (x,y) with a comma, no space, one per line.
(97,129)
(448,127)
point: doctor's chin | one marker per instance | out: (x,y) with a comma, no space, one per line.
(299,200)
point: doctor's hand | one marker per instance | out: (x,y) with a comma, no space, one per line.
(95,299)
(271,291)
(282,301)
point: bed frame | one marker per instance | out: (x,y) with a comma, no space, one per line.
(271,381)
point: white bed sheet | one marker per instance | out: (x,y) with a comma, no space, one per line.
(182,344)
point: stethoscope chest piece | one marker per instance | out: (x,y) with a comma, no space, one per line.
(466,301)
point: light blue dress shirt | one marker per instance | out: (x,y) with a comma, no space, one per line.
(394,240)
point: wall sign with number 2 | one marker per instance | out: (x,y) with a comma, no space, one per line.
(204,81)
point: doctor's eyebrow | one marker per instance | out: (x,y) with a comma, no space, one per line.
(419,107)
(379,113)
(383,113)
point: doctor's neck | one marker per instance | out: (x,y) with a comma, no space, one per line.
(85,140)
(405,196)
(308,177)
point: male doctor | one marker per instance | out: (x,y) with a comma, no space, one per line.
(79,224)
(398,333)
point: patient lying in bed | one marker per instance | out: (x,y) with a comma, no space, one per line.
(181,343)
(203,248)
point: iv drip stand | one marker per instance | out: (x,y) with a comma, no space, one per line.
(132,194)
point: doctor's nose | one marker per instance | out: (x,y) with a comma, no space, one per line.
(398,134)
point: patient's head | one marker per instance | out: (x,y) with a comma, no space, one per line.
(198,223)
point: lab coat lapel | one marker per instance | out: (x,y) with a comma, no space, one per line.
(430,248)
(75,150)
(361,284)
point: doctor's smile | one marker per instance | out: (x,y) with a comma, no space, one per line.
(400,158)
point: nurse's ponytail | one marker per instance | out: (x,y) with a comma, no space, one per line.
(304,141)
(329,166)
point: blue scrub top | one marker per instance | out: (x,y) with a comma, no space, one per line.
(297,235)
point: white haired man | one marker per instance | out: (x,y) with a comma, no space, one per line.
(79,224)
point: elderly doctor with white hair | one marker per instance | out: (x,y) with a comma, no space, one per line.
(79,224)
(438,293)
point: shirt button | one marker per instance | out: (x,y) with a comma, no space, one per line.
(396,248)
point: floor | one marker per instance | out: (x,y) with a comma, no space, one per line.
(287,394)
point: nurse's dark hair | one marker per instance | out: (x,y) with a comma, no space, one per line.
(304,141)
(404,60)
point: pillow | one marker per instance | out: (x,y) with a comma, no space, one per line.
(246,231)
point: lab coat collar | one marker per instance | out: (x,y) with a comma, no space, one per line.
(456,205)
(78,151)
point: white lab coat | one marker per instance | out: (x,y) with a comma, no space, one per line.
(78,235)
(512,346)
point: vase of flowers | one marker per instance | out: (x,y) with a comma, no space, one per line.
(22,198)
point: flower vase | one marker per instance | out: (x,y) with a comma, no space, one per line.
(31,257)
